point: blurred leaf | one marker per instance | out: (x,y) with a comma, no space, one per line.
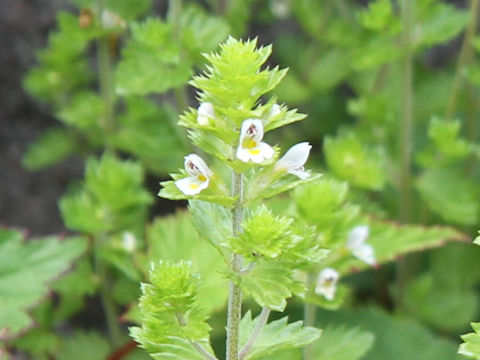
(84,112)
(151,61)
(379,16)
(127,9)
(351,160)
(84,345)
(471,345)
(339,342)
(37,342)
(53,146)
(25,271)
(146,131)
(174,238)
(275,336)
(450,194)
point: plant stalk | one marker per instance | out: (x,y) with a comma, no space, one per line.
(405,144)
(235,294)
(309,311)
(109,306)
(200,349)
(464,58)
(262,320)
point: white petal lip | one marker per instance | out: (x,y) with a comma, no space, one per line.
(275,110)
(294,160)
(194,165)
(327,283)
(205,112)
(252,131)
(192,185)
(357,236)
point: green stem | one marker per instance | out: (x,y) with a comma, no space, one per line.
(463,59)
(235,294)
(200,349)
(262,320)
(109,306)
(405,139)
(309,316)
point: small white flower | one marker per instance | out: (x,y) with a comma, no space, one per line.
(294,160)
(327,283)
(205,112)
(356,243)
(199,175)
(129,242)
(111,20)
(274,111)
(251,147)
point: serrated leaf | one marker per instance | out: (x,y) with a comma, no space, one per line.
(339,342)
(391,240)
(275,336)
(151,61)
(25,271)
(471,343)
(53,146)
(271,284)
(450,194)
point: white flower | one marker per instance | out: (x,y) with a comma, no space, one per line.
(356,243)
(327,283)
(251,147)
(199,175)
(205,112)
(110,20)
(274,110)
(294,160)
(129,242)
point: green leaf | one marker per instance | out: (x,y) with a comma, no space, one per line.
(146,131)
(392,240)
(174,238)
(477,239)
(53,146)
(25,271)
(151,61)
(170,317)
(350,160)
(84,345)
(378,16)
(98,206)
(339,342)
(471,343)
(37,342)
(270,284)
(275,336)
(396,338)
(213,222)
(450,194)
(127,9)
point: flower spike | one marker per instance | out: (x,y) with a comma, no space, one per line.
(327,283)
(356,243)
(251,147)
(199,175)
(205,112)
(294,160)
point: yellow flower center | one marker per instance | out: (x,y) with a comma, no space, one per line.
(254,151)
(249,143)
(202,178)
(193,186)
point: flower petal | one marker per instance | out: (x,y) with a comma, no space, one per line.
(296,156)
(205,112)
(195,166)
(357,236)
(191,185)
(366,253)
(251,129)
(327,283)
(301,173)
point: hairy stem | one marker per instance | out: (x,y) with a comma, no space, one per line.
(464,58)
(309,316)
(235,294)
(262,320)
(109,306)
(405,138)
